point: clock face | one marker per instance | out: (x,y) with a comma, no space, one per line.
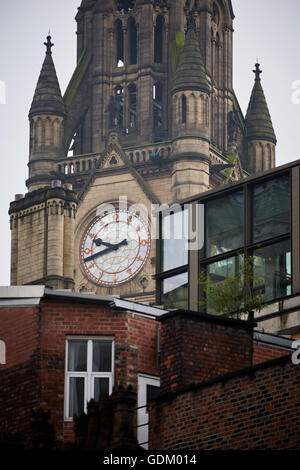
(114,247)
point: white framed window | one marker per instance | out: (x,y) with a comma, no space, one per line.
(148,388)
(89,372)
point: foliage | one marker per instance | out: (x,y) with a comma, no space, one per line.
(238,293)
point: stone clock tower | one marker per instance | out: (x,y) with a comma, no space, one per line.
(149,116)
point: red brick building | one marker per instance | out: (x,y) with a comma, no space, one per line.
(60,349)
(213,398)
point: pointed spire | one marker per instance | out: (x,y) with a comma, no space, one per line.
(191,74)
(47,97)
(191,23)
(258,120)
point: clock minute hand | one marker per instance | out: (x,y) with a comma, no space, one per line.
(107,250)
(99,242)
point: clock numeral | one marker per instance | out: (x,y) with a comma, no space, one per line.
(143,242)
(91,235)
(139,258)
(90,266)
(115,277)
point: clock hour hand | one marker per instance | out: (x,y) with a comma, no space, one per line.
(107,250)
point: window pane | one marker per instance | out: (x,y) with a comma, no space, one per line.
(175,236)
(152,392)
(224,224)
(271,208)
(102,356)
(220,271)
(76,396)
(175,291)
(101,385)
(77,356)
(272,266)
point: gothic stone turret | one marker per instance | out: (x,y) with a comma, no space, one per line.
(191,120)
(260,133)
(46,115)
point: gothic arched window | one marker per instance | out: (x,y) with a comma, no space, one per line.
(183,109)
(120,106)
(119,43)
(157,104)
(132,105)
(158,40)
(132,29)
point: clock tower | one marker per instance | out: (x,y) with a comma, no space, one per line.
(149,117)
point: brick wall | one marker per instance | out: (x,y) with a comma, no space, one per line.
(255,409)
(197,347)
(19,377)
(263,353)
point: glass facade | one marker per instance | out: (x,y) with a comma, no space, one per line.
(271,209)
(224,224)
(272,266)
(175,291)
(249,222)
(174,240)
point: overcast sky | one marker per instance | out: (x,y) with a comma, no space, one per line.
(264,29)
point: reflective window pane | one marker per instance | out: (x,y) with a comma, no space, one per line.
(102,356)
(220,271)
(175,291)
(77,356)
(271,209)
(272,267)
(76,396)
(174,240)
(224,223)
(101,385)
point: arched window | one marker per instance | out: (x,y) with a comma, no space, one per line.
(120,43)
(120,106)
(158,40)
(2,352)
(132,41)
(157,104)
(183,109)
(132,105)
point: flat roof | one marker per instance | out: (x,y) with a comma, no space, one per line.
(32,295)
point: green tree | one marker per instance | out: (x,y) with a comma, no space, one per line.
(237,294)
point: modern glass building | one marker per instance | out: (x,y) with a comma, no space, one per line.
(258,217)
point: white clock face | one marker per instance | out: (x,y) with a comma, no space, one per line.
(114,247)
